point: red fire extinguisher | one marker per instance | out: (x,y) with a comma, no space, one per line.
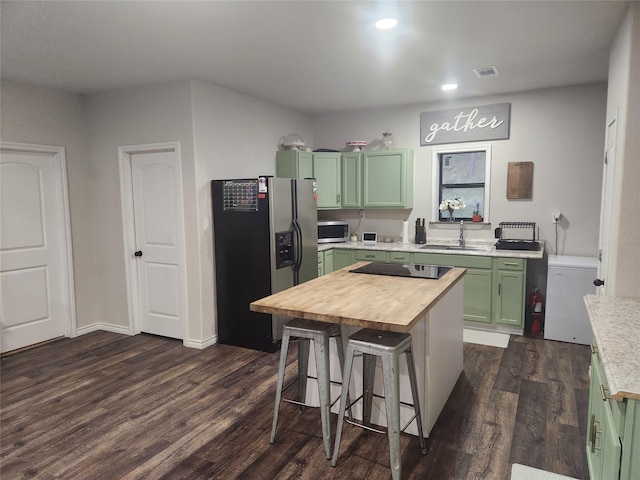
(535,305)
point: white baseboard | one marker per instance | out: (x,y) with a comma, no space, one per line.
(201,344)
(105,327)
(482,337)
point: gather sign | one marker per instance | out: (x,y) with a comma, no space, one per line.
(472,124)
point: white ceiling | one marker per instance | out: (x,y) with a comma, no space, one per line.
(312,56)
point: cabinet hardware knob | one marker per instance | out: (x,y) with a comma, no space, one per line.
(593,348)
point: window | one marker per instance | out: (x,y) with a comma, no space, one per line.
(464,173)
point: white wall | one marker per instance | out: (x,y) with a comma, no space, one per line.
(149,114)
(560,130)
(236,136)
(41,116)
(623,275)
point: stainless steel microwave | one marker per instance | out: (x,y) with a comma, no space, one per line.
(333,231)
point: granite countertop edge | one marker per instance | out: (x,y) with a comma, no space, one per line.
(416,248)
(615,322)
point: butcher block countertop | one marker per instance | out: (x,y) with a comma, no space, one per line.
(367,301)
(615,323)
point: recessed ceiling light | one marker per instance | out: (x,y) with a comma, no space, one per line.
(447,87)
(386,23)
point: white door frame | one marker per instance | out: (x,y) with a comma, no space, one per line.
(128,229)
(62,194)
(606,201)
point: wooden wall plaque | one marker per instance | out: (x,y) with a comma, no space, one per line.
(519,180)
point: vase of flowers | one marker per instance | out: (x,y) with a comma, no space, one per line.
(451,205)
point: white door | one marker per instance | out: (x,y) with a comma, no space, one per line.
(605,205)
(158,247)
(36,291)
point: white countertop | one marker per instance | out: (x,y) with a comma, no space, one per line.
(490,250)
(615,322)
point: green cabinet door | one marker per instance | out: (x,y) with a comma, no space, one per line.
(352,180)
(343,258)
(328,261)
(294,164)
(604,450)
(509,298)
(477,295)
(326,170)
(509,291)
(596,409)
(387,179)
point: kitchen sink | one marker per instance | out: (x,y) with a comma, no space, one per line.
(473,248)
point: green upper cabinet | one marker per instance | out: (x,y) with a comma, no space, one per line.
(324,167)
(377,179)
(294,164)
(326,170)
(352,180)
(387,179)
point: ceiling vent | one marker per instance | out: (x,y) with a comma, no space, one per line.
(484,72)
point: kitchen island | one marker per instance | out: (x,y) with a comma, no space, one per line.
(431,310)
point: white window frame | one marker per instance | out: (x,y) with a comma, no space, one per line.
(436,151)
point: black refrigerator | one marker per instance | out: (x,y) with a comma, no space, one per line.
(265,237)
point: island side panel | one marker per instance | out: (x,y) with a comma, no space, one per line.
(444,354)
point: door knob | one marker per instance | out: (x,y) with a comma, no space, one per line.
(598,283)
(138,253)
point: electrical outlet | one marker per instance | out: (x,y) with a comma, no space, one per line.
(556,215)
(361,213)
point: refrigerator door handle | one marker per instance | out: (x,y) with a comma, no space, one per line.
(297,250)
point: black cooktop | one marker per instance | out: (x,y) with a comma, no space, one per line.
(403,270)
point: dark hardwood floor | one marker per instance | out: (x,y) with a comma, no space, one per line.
(107,406)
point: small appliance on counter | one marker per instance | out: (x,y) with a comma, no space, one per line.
(333,231)
(516,236)
(369,238)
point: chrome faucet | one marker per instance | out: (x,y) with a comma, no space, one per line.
(461,239)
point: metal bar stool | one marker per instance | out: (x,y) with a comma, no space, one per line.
(319,332)
(387,345)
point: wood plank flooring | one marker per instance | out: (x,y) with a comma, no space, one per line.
(108,406)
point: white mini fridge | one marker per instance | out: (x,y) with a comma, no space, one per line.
(569,279)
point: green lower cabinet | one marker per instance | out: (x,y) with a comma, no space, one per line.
(610,427)
(477,282)
(509,300)
(509,291)
(328,261)
(372,255)
(321,271)
(477,295)
(325,262)
(399,257)
(494,287)
(343,258)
